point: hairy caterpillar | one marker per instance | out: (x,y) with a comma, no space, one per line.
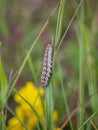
(47,65)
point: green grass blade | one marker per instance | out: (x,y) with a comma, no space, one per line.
(81,79)
(3,90)
(60,22)
(49,106)
(81,74)
(91,117)
(57,26)
(32,69)
(2,121)
(82,61)
(3,87)
(75,13)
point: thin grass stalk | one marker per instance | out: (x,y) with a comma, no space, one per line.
(88,120)
(60,22)
(3,91)
(2,121)
(57,26)
(32,69)
(3,87)
(82,62)
(49,106)
(81,80)
(64,96)
(81,83)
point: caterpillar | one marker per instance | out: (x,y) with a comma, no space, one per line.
(47,65)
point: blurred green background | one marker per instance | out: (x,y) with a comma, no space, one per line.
(20,23)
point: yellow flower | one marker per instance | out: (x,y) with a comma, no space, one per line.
(55,115)
(24,112)
(14,124)
(41,91)
(29,91)
(58,129)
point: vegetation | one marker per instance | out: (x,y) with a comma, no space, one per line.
(70,100)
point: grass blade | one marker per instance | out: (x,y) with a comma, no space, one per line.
(32,69)
(90,118)
(3,87)
(49,106)
(82,61)
(3,90)
(75,13)
(60,22)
